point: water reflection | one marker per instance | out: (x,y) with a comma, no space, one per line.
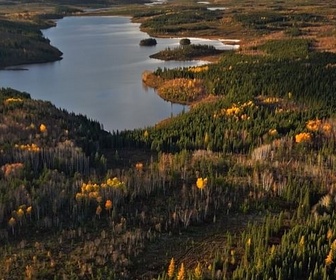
(100,73)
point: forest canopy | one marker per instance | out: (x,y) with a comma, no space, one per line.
(240,186)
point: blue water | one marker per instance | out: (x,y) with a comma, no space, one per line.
(100,73)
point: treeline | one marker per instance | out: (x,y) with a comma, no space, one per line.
(53,179)
(267,21)
(276,249)
(248,151)
(295,242)
(179,20)
(23,42)
(47,130)
(289,67)
(211,127)
(262,144)
(300,84)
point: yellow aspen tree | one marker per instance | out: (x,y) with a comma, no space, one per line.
(329,234)
(303,137)
(198,272)
(333,245)
(12,223)
(181,275)
(43,128)
(201,183)
(29,210)
(139,166)
(20,214)
(329,258)
(171,268)
(108,205)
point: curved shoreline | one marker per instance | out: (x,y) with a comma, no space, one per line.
(110,126)
(119,63)
(129,19)
(100,13)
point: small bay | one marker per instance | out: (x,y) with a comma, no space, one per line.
(100,73)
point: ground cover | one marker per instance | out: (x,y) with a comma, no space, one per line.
(242,186)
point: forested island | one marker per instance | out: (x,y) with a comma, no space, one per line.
(148,42)
(187,52)
(242,186)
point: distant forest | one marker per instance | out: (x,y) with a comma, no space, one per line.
(241,186)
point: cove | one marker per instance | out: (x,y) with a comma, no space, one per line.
(100,73)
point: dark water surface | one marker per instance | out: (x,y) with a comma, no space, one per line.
(100,74)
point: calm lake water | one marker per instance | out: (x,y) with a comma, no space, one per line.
(100,73)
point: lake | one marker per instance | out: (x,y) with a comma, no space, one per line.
(100,73)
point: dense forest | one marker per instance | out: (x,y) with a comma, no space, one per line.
(187,52)
(23,43)
(241,186)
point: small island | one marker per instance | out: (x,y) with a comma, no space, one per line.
(148,42)
(187,52)
(185,42)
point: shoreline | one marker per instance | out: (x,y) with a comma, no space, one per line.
(101,13)
(202,59)
(10,67)
(113,89)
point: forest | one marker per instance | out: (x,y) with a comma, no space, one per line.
(187,52)
(26,44)
(241,186)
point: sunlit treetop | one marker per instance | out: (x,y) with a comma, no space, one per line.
(201,183)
